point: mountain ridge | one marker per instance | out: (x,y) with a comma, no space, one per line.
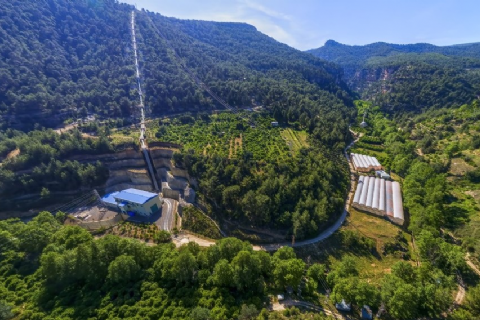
(408,77)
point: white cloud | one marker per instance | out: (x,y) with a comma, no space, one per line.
(264,22)
(275,24)
(267,11)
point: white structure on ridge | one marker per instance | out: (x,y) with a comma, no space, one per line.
(380,197)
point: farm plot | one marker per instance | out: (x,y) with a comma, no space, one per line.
(294,139)
(228,136)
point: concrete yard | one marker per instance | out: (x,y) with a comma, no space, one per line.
(93,213)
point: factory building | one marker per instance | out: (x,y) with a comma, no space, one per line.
(133,202)
(380,197)
(363,163)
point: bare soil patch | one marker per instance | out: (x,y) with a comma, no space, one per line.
(13,153)
(238,143)
(459,167)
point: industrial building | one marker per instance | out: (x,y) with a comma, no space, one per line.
(133,202)
(380,197)
(363,163)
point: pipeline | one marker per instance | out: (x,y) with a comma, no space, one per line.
(143,128)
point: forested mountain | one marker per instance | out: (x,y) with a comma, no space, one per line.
(409,77)
(355,56)
(60,57)
(63,59)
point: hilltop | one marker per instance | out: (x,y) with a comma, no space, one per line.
(409,77)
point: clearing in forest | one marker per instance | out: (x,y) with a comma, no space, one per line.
(206,148)
(458,167)
(294,139)
(238,143)
(390,242)
(235,146)
(230,151)
(13,153)
(386,235)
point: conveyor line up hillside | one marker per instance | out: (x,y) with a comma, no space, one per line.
(143,128)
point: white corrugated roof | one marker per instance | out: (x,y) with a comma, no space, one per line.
(376,194)
(363,195)
(358,191)
(371,188)
(381,201)
(397,201)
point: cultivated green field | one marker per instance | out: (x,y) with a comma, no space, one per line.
(227,135)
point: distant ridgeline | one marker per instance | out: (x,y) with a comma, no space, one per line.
(66,59)
(409,77)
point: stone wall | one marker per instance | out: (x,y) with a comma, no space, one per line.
(162,153)
(176,182)
(171,194)
(95,225)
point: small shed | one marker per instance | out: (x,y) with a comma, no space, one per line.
(343,306)
(363,124)
(367,313)
(280,297)
(274,123)
(382,174)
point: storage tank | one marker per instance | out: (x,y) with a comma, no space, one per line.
(358,191)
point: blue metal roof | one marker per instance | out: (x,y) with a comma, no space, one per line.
(135,196)
(110,198)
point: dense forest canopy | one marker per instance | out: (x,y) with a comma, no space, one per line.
(61,58)
(50,271)
(40,163)
(354,56)
(65,59)
(409,77)
(302,195)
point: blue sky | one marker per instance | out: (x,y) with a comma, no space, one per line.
(307,24)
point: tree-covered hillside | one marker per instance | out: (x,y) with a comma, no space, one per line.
(50,271)
(60,58)
(355,56)
(63,59)
(409,77)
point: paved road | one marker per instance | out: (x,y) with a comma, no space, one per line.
(167,218)
(322,236)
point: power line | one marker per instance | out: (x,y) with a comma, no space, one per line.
(200,84)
